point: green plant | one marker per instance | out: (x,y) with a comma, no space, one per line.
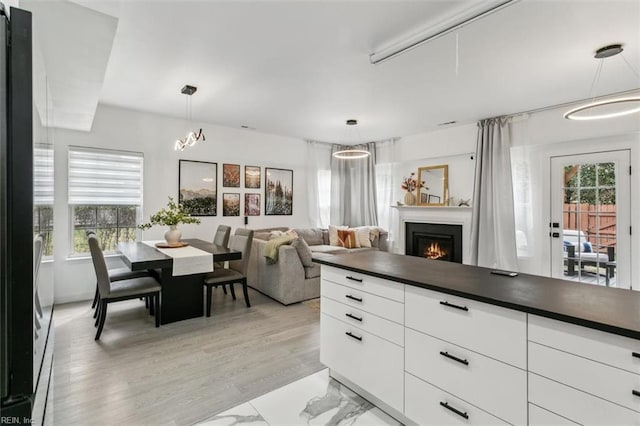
(172,215)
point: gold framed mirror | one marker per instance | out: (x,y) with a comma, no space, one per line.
(434,185)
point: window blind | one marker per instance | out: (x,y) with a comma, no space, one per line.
(104,177)
(43,175)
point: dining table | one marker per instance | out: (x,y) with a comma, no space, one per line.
(182,295)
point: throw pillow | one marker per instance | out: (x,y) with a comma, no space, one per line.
(291,233)
(362,235)
(333,235)
(304,252)
(275,234)
(586,247)
(347,238)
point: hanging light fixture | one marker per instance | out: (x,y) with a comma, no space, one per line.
(352,154)
(607,108)
(192,137)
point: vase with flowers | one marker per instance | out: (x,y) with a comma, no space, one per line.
(171,216)
(410,184)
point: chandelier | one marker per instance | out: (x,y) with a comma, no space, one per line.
(351,154)
(192,137)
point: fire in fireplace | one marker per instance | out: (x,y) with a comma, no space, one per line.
(434,251)
(434,241)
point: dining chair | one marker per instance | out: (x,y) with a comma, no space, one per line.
(221,238)
(115,274)
(237,270)
(110,291)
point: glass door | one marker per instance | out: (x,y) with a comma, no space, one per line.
(590,218)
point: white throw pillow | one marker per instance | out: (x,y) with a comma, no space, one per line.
(333,234)
(362,235)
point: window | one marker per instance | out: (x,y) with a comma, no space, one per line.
(105,195)
(43,195)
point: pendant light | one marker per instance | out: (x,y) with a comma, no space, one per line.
(351,154)
(607,108)
(192,137)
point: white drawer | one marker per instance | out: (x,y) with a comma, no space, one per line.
(494,386)
(378,286)
(541,417)
(372,363)
(428,405)
(373,324)
(578,406)
(606,348)
(491,330)
(367,302)
(610,383)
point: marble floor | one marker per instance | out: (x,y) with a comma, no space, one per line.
(314,400)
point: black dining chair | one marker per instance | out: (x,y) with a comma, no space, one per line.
(110,291)
(237,270)
(115,274)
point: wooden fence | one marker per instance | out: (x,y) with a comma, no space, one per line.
(592,220)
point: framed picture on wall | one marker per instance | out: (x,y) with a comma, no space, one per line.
(230,204)
(198,187)
(252,204)
(251,177)
(278,192)
(231,175)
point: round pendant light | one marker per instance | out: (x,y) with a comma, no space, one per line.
(606,108)
(351,154)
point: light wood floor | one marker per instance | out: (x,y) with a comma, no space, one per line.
(180,373)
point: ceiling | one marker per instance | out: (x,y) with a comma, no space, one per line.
(301,68)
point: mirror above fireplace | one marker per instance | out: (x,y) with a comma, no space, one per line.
(434,188)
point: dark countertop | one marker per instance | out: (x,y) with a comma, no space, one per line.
(608,309)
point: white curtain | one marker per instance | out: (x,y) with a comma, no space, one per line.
(493,236)
(353,188)
(319,183)
(385,165)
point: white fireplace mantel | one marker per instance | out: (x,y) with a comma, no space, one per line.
(448,215)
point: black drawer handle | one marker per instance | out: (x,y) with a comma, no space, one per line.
(455,358)
(350,334)
(635,392)
(357,299)
(354,317)
(458,412)
(355,279)
(635,354)
(451,305)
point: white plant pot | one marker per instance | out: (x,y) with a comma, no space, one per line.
(173,235)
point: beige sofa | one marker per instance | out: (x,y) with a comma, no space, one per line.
(288,281)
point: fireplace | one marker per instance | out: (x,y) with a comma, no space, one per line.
(436,241)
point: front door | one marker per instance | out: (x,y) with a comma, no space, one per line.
(590,218)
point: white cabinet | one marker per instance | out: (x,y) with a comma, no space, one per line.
(362,332)
(439,359)
(494,386)
(584,375)
(426,404)
(487,329)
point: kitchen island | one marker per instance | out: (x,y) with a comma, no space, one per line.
(437,342)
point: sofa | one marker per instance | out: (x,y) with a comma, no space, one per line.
(288,280)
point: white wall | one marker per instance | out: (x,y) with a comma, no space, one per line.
(154,135)
(454,147)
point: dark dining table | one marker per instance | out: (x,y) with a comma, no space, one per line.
(182,296)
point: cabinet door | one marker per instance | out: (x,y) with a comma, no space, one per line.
(578,406)
(370,362)
(493,386)
(426,404)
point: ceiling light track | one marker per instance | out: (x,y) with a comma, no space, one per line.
(413,42)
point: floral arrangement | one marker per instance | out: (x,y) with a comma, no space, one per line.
(173,215)
(410,183)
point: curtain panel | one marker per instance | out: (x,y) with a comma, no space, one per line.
(319,183)
(493,239)
(353,188)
